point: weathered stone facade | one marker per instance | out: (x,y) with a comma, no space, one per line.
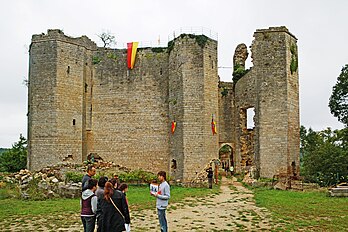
(83,100)
(270,87)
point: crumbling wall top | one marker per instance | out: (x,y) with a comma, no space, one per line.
(275,29)
(57,34)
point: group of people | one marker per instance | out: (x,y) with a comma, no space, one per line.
(104,202)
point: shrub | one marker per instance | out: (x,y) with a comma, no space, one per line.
(238,72)
(15,158)
(73,176)
(137,176)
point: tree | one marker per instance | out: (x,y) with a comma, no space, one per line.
(338,102)
(15,158)
(107,38)
(325,156)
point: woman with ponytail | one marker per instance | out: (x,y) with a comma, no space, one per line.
(112,210)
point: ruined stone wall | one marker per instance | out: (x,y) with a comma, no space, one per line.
(130,109)
(226,116)
(271,88)
(246,142)
(277,100)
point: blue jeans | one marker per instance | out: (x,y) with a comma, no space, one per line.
(88,223)
(162,219)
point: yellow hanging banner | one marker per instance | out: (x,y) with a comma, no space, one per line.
(134,52)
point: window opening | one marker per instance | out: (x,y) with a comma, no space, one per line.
(250,118)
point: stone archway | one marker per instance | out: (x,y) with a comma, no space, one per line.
(226,155)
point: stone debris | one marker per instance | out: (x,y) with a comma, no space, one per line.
(51,181)
(341,190)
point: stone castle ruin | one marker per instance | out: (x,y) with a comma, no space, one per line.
(84,101)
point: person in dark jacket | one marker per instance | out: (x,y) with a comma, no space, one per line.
(210,177)
(124,189)
(112,210)
(101,184)
(90,173)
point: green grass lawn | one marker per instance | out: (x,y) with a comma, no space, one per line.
(138,196)
(305,210)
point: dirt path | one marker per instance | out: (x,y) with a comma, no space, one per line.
(232,210)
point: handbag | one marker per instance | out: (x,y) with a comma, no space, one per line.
(117,208)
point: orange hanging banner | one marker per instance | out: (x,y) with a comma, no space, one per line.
(173,126)
(131,53)
(213,126)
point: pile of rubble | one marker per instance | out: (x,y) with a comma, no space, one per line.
(51,181)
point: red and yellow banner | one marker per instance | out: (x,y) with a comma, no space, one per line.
(173,126)
(213,126)
(131,52)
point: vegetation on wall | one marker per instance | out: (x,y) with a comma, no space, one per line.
(201,40)
(158,49)
(170,46)
(111,55)
(224,92)
(96,59)
(173,101)
(294,60)
(238,72)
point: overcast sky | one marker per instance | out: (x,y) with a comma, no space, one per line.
(320,26)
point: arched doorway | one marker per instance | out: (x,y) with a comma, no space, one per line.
(226,156)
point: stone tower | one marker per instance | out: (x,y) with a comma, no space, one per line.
(275,59)
(271,89)
(60,69)
(193,102)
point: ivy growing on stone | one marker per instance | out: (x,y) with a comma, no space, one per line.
(112,56)
(201,40)
(170,46)
(158,49)
(96,59)
(294,61)
(224,92)
(238,72)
